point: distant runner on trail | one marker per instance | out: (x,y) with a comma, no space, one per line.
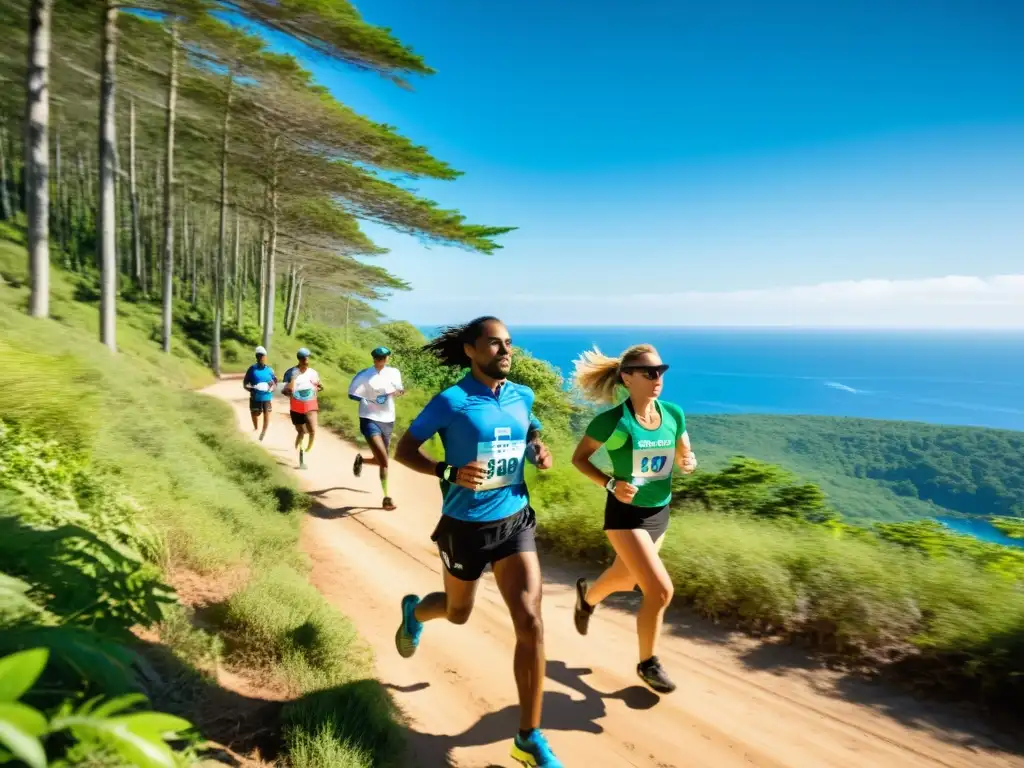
(487,428)
(259,381)
(301,384)
(375,389)
(645,439)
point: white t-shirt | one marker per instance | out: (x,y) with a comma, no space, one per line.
(376,390)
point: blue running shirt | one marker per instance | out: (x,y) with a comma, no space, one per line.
(476,425)
(260,374)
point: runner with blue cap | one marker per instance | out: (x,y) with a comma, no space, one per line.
(301,384)
(259,381)
(375,389)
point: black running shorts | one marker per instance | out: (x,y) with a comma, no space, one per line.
(261,406)
(298,419)
(619,516)
(467,548)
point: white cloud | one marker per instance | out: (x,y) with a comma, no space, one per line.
(954,301)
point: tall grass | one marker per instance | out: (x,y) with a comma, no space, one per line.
(216,504)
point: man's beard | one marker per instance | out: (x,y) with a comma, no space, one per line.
(493,370)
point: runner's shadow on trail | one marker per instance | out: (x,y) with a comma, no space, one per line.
(338,513)
(325,491)
(562,712)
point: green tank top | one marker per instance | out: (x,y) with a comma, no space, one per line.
(641,456)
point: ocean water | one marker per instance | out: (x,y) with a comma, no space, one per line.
(980,529)
(962,378)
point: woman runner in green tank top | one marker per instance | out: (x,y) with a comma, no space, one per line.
(646,440)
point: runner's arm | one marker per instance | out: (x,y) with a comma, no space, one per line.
(287,390)
(597,434)
(356,381)
(539,455)
(686,460)
(587,447)
(247,380)
(435,417)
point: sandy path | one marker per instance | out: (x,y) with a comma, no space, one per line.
(738,704)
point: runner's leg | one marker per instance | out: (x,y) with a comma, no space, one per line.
(455,603)
(519,581)
(266,420)
(380,459)
(311,421)
(255,417)
(640,555)
(615,578)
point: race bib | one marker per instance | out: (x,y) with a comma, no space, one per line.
(502,459)
(652,464)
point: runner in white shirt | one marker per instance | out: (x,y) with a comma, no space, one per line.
(375,389)
(301,385)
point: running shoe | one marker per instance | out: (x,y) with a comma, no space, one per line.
(357,465)
(388,504)
(534,752)
(262,435)
(407,638)
(302,459)
(583,610)
(652,673)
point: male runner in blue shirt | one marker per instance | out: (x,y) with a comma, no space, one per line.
(259,381)
(488,430)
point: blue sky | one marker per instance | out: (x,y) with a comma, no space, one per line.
(726,163)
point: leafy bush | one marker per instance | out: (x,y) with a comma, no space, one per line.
(115,728)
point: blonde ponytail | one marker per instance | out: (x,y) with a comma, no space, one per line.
(598,376)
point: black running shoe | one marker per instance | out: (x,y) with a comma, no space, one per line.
(652,673)
(583,610)
(357,465)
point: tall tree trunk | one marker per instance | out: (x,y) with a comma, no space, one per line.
(135,258)
(6,210)
(219,267)
(237,275)
(60,220)
(37,155)
(193,260)
(171,116)
(297,306)
(268,314)
(106,224)
(261,305)
(289,295)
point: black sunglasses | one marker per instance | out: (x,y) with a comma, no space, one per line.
(652,372)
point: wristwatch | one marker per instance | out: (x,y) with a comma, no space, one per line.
(610,485)
(446,471)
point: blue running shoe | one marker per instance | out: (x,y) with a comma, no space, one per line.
(408,635)
(534,751)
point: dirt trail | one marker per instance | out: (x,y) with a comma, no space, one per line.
(738,704)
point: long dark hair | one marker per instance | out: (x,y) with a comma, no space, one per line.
(448,344)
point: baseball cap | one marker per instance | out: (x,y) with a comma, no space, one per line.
(303,352)
(261,350)
(380,352)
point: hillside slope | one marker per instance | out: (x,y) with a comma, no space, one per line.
(881,470)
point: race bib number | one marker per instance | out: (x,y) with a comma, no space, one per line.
(502,459)
(652,464)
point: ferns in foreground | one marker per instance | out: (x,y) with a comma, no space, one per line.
(115,727)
